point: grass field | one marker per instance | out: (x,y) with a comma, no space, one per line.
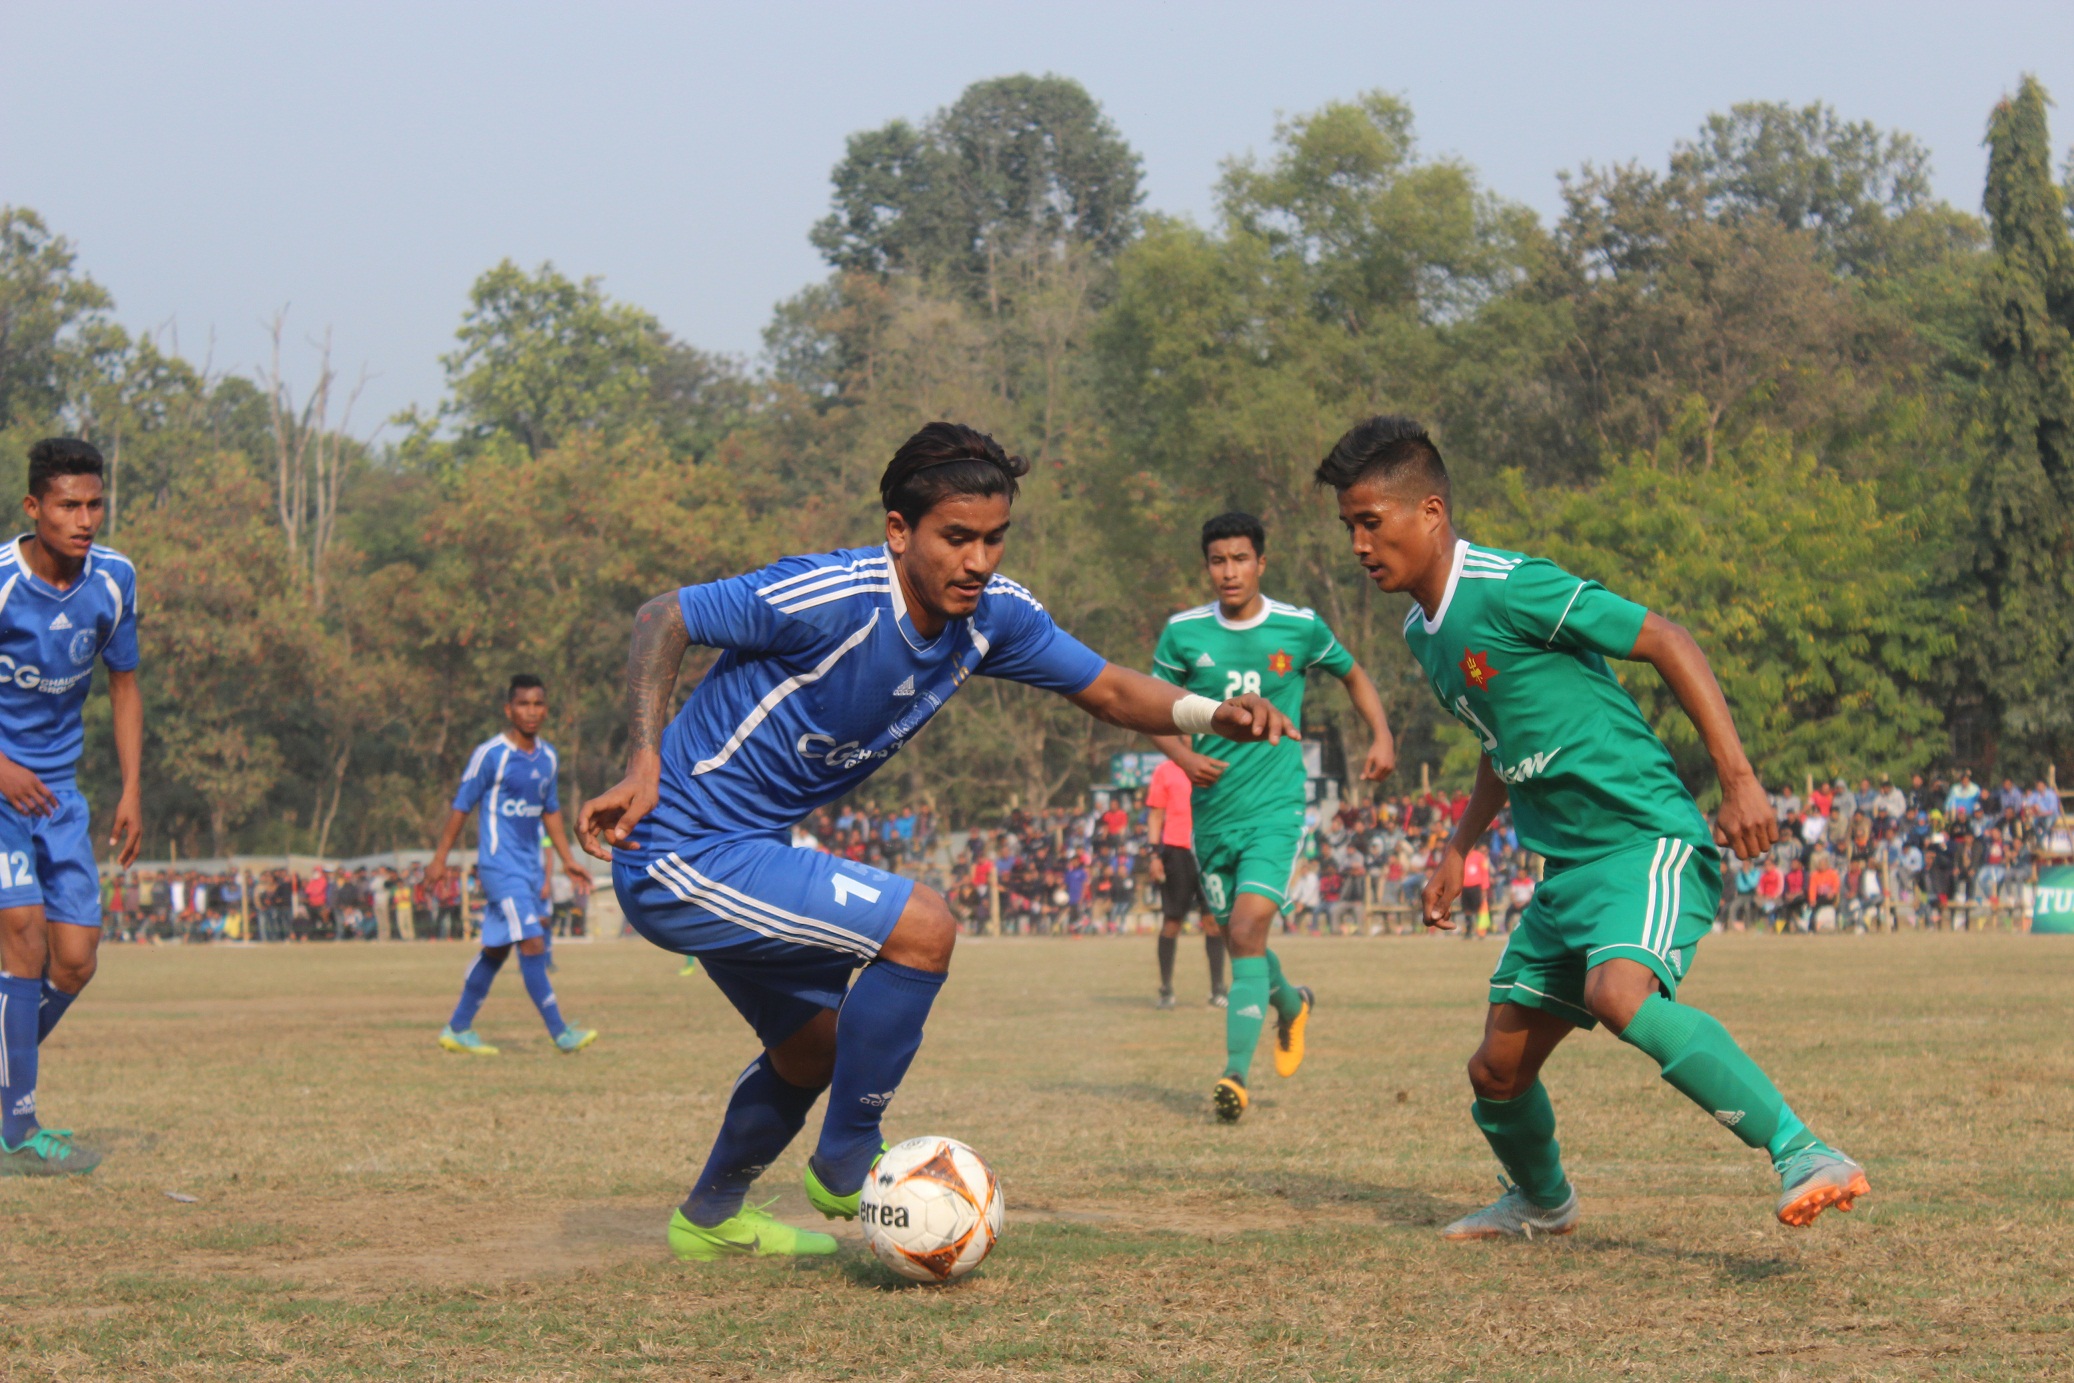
(368,1206)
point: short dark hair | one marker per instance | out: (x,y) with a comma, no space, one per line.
(946,459)
(56,456)
(1235,525)
(1390,447)
(522,681)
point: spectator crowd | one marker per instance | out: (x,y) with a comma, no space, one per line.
(1878,856)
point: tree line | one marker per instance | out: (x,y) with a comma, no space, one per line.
(1773,388)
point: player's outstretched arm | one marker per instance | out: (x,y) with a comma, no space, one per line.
(1445,885)
(1132,701)
(1745,822)
(126,832)
(660,638)
(1381,760)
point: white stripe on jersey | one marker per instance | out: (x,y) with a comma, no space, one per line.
(838,578)
(1001,585)
(1470,573)
(8,589)
(1490,559)
(1199,612)
(843,593)
(813,572)
(778,693)
(1294,611)
(497,782)
(1551,633)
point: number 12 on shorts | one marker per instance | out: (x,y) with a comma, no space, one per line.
(15,871)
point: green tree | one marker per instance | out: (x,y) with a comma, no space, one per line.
(543,358)
(2024,537)
(1818,607)
(1014,164)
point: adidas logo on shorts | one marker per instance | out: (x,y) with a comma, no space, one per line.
(1253,1011)
(1729,1117)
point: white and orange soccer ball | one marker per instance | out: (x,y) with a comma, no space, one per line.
(931,1209)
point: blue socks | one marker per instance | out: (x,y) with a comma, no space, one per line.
(533,970)
(55,1002)
(474,990)
(21,1002)
(764,1113)
(876,1037)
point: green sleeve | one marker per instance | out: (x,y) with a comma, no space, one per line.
(1550,608)
(1327,652)
(1169,663)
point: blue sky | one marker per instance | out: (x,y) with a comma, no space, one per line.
(361,163)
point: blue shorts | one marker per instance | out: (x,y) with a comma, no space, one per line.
(49,860)
(778,929)
(511,915)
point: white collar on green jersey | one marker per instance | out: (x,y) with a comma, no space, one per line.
(1454,579)
(1266,608)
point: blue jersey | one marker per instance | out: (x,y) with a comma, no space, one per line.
(822,678)
(512,790)
(48,642)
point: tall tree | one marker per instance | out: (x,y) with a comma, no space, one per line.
(1014,164)
(2024,539)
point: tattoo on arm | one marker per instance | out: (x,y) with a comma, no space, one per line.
(660,639)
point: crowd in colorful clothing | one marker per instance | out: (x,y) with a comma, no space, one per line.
(322,904)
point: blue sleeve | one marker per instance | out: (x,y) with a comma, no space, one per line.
(473,781)
(1024,645)
(746,613)
(119,653)
(552,801)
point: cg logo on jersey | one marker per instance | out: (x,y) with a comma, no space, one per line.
(513,807)
(824,748)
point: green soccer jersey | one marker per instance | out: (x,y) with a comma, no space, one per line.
(1203,652)
(1517,652)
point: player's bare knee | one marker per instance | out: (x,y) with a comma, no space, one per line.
(495,954)
(532,946)
(1490,1081)
(925,934)
(73,975)
(1170,928)
(1616,991)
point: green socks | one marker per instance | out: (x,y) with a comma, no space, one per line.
(1521,1131)
(1245,1011)
(1280,992)
(1703,1063)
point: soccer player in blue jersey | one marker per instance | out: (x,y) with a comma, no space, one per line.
(829,665)
(64,601)
(511,783)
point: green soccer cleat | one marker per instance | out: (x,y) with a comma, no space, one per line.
(1513,1216)
(1816,1178)
(828,1202)
(48,1152)
(691,967)
(749,1233)
(575,1039)
(467,1041)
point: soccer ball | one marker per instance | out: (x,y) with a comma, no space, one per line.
(931,1209)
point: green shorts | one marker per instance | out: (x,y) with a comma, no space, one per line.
(1259,859)
(1651,904)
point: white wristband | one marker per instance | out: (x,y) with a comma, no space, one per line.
(1193,714)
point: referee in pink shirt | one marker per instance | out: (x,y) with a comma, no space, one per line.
(1171,823)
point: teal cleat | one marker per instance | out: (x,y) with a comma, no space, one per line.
(1814,1179)
(467,1041)
(750,1233)
(691,966)
(48,1152)
(575,1039)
